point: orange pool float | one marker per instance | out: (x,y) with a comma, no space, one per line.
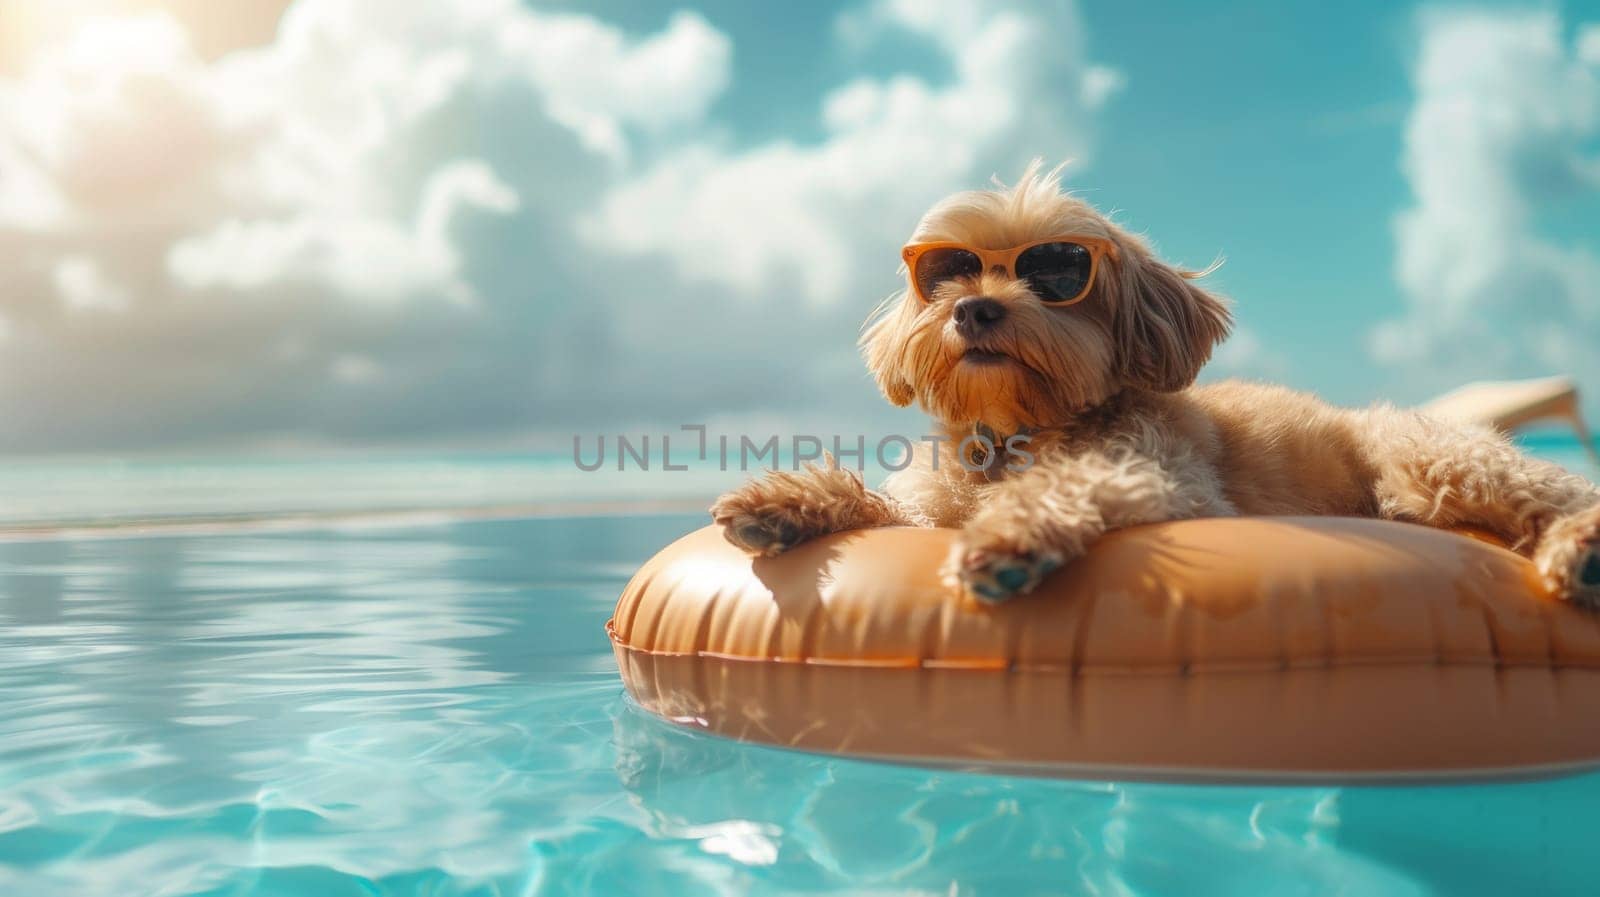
(1242,648)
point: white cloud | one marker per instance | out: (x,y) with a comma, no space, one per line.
(83,287)
(290,217)
(598,82)
(360,256)
(1100,84)
(356,370)
(821,214)
(119,120)
(28,200)
(1589,44)
(1245,354)
(1502,125)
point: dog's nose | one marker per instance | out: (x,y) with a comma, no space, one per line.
(977,315)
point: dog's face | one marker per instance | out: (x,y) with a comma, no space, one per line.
(1023,362)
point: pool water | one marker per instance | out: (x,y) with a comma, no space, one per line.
(435,711)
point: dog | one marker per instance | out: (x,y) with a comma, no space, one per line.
(1033,328)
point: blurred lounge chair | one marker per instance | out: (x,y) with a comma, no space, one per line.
(1509,404)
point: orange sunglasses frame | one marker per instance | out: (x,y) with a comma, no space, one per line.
(1006,259)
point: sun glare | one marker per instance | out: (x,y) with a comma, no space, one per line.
(36,26)
(33,30)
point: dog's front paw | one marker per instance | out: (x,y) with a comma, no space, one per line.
(994,570)
(993,578)
(1568,558)
(760,527)
(784,508)
(1005,550)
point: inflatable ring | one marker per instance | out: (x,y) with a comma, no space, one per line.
(1243,648)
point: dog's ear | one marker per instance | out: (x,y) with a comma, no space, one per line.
(1165,326)
(880,346)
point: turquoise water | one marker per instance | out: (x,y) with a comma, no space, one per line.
(51,492)
(435,711)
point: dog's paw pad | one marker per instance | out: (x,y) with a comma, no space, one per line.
(1568,558)
(1584,584)
(1589,573)
(1012,579)
(1577,572)
(993,577)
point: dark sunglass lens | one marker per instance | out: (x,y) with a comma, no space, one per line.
(939,265)
(1056,272)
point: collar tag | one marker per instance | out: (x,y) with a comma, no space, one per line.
(992,461)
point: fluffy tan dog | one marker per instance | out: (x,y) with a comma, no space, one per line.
(1079,353)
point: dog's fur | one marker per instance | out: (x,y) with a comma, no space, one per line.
(1121,437)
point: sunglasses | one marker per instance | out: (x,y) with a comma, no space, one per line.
(1059,270)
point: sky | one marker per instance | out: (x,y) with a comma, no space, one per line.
(375,222)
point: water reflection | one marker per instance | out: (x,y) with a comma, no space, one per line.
(837,824)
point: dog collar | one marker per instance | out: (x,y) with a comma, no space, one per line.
(992,461)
